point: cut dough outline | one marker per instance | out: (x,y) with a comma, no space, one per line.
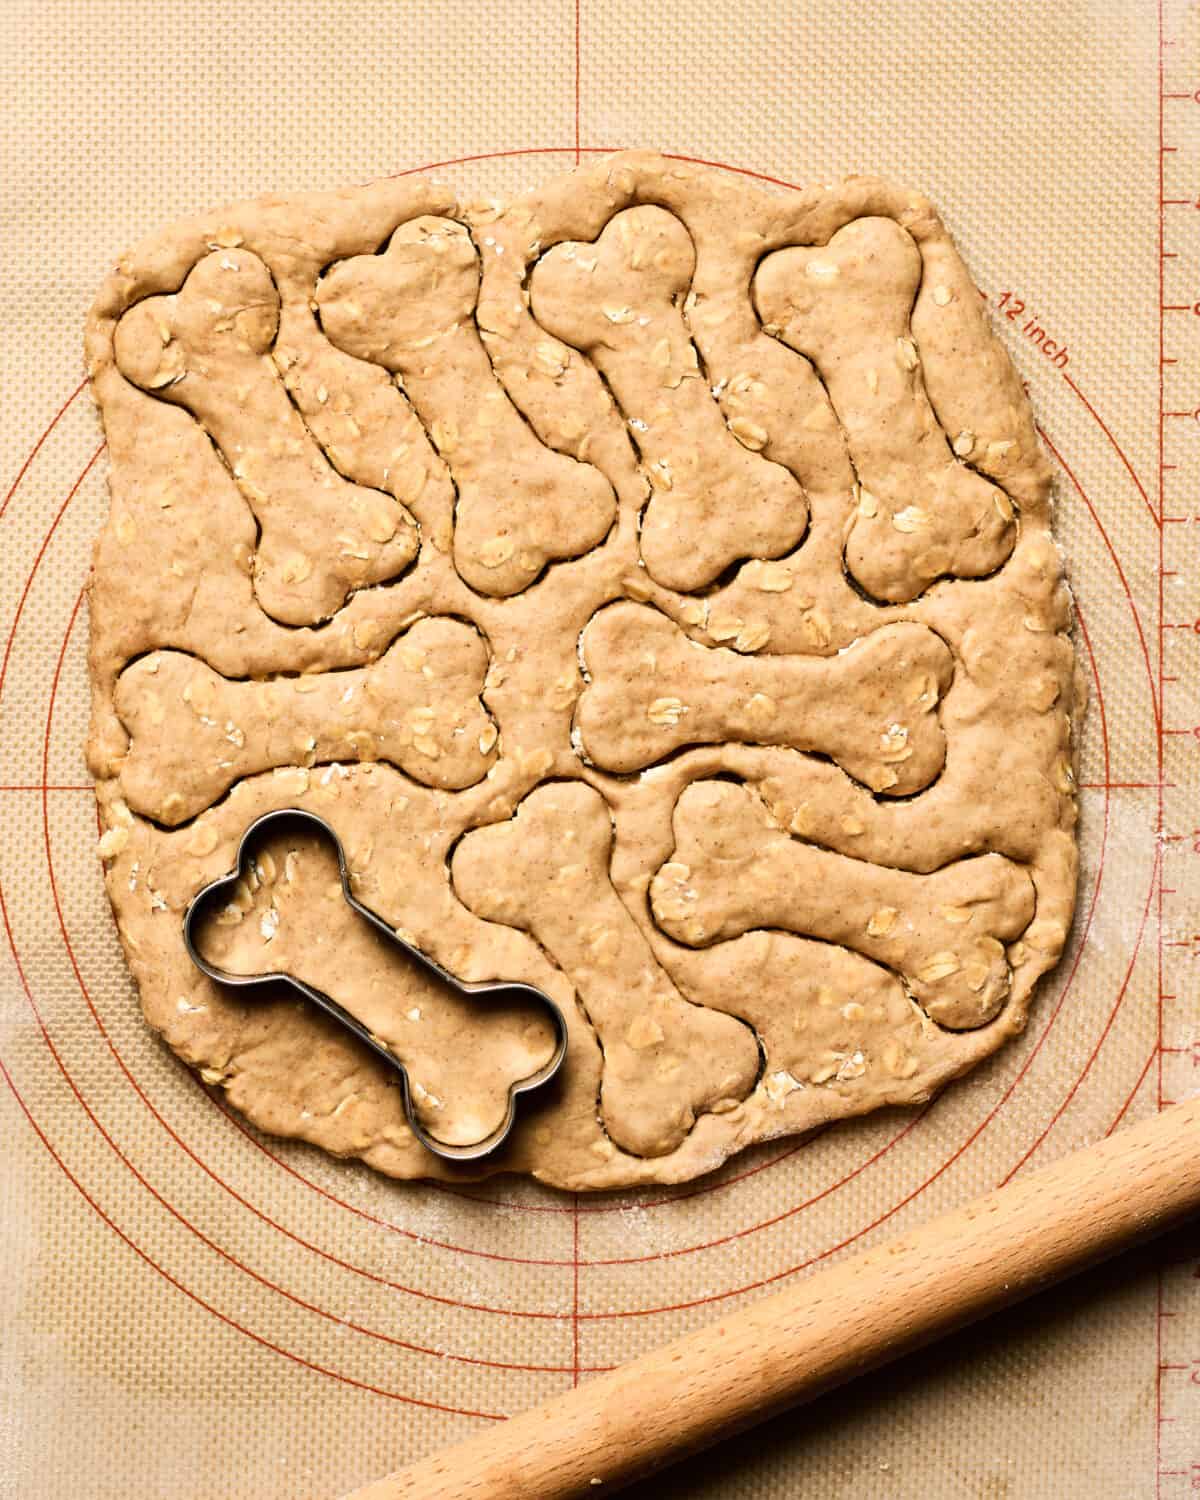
(917,369)
(721,658)
(882,923)
(315,681)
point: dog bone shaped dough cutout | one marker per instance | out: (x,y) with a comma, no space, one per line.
(871,707)
(921,513)
(193,733)
(411,310)
(206,348)
(715,497)
(733,870)
(666,1061)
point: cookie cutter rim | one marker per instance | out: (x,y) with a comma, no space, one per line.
(471,1151)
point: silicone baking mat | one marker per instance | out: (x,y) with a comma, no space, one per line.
(192,1311)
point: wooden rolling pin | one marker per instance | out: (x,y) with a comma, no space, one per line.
(829,1327)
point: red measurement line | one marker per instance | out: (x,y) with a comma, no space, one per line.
(575,1289)
(1112,786)
(1162,505)
(1120,452)
(1159,739)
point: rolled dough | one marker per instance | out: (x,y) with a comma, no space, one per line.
(651,580)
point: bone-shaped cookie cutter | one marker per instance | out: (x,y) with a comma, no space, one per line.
(504,989)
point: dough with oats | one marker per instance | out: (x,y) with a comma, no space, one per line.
(652,581)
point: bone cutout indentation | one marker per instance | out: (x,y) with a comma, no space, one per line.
(733,870)
(922,514)
(287,914)
(826,1017)
(207,349)
(666,1060)
(715,497)
(871,708)
(194,733)
(411,310)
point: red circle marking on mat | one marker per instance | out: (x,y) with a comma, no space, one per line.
(879,1153)
(666,1200)
(749,1229)
(137,1088)
(77,608)
(1026,1065)
(394,1395)
(37,447)
(702,1189)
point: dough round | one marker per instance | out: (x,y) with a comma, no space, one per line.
(651,580)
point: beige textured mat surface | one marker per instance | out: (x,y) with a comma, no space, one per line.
(192,1312)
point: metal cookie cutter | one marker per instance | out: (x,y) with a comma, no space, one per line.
(293,816)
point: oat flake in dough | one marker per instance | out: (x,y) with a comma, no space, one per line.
(651,580)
